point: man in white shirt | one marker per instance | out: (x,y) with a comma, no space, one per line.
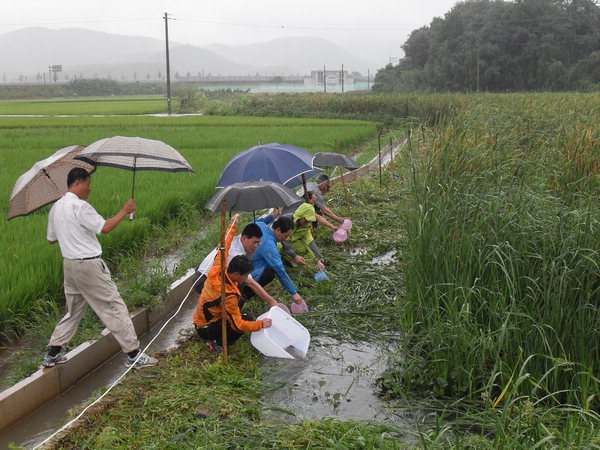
(74,223)
(244,244)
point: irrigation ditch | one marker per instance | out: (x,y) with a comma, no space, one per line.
(336,381)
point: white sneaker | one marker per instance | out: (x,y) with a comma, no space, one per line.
(140,361)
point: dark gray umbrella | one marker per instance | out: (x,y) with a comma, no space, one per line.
(335,160)
(252,196)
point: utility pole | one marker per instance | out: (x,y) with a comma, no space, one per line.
(342,78)
(324,80)
(168,65)
(368,79)
(478,66)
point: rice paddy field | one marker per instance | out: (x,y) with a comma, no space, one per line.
(30,269)
(86,106)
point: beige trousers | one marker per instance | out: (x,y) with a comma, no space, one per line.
(88,282)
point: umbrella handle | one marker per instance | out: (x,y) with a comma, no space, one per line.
(132,215)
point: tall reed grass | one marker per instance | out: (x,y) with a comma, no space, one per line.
(387,109)
(503,278)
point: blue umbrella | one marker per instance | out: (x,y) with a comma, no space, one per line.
(270,162)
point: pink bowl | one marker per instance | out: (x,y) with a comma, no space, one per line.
(285,308)
(346,224)
(296,308)
(340,235)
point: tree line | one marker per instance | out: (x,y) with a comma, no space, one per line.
(500,46)
(80,87)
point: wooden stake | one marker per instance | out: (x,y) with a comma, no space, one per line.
(379,146)
(223,305)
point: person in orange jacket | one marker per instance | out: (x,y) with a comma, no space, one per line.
(208,315)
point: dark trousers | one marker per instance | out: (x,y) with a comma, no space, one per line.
(267,276)
(212,332)
(199,282)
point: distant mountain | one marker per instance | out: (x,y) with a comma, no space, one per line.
(34,49)
(85,53)
(300,53)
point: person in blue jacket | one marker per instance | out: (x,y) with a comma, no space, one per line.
(267,260)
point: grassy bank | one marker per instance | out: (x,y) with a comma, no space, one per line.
(193,399)
(389,109)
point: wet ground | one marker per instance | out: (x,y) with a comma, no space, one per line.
(336,379)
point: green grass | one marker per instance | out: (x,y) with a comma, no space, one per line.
(209,403)
(503,293)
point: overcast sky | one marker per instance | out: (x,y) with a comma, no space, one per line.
(373,29)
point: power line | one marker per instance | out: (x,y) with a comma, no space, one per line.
(72,22)
(214,22)
(289,26)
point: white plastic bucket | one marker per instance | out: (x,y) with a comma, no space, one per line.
(285,338)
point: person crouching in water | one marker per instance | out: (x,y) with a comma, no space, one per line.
(208,315)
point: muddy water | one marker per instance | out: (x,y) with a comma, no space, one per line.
(335,379)
(38,426)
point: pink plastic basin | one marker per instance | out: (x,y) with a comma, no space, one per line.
(340,235)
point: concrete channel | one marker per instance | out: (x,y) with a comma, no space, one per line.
(35,407)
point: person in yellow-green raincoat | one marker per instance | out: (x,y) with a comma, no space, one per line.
(302,240)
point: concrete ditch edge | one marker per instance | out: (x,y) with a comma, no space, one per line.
(31,393)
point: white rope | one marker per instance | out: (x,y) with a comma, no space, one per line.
(68,424)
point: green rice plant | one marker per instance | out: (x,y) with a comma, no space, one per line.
(513,420)
(86,106)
